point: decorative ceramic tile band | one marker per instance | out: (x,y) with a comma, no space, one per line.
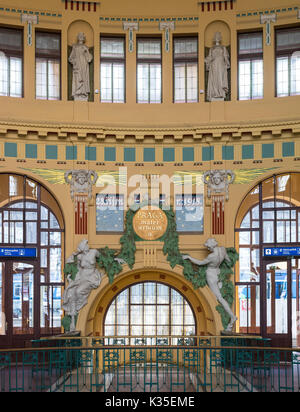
(30,12)
(272,11)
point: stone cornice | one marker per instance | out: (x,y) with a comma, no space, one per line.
(99,132)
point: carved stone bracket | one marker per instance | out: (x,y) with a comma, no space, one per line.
(167,27)
(130,27)
(268,19)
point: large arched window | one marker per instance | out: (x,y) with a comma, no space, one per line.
(31,256)
(149,309)
(267,279)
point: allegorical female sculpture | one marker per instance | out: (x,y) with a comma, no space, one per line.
(87,278)
(80,58)
(217,64)
(213,261)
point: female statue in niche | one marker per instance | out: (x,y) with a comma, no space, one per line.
(217,64)
(80,58)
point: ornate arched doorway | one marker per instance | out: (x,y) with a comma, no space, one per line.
(268,272)
(31,256)
(151,310)
(195,308)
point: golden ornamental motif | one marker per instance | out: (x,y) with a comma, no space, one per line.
(150,223)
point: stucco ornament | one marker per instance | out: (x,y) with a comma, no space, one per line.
(213,262)
(80,58)
(218,181)
(217,64)
(87,278)
(81,181)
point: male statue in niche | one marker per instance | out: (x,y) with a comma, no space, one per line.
(80,58)
(213,261)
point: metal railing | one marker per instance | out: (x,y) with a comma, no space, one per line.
(204,364)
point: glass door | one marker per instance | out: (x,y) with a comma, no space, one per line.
(22,277)
(277,303)
(17,300)
(3,323)
(296,302)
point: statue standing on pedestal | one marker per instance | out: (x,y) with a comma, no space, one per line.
(213,261)
(80,58)
(217,64)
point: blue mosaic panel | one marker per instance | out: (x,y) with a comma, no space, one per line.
(189,213)
(109,213)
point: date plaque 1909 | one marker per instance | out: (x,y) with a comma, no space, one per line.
(150,223)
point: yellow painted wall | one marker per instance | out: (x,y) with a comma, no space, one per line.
(65,123)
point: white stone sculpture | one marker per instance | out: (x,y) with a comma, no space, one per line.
(87,278)
(80,58)
(217,64)
(213,261)
(81,181)
(218,181)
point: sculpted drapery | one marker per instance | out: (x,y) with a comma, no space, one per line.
(80,58)
(217,64)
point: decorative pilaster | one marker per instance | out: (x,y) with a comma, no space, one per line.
(81,182)
(30,20)
(167,27)
(130,27)
(217,182)
(268,19)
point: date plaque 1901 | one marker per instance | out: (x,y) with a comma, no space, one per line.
(150,223)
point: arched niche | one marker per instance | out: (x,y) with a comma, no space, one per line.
(214,27)
(81,26)
(210,31)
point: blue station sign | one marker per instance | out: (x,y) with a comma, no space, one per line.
(17,252)
(281,251)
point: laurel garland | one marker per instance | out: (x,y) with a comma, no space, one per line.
(193,273)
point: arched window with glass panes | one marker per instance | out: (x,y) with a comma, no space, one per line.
(151,310)
(30,287)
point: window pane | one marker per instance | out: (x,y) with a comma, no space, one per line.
(112,48)
(151,314)
(155,83)
(118,83)
(179,83)
(4,65)
(148,49)
(244,80)
(31,232)
(47,44)
(2,302)
(53,80)
(106,82)
(257,79)
(282,72)
(143,83)
(11,40)
(186,48)
(295,74)
(250,43)
(192,82)
(55,265)
(288,39)
(15,77)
